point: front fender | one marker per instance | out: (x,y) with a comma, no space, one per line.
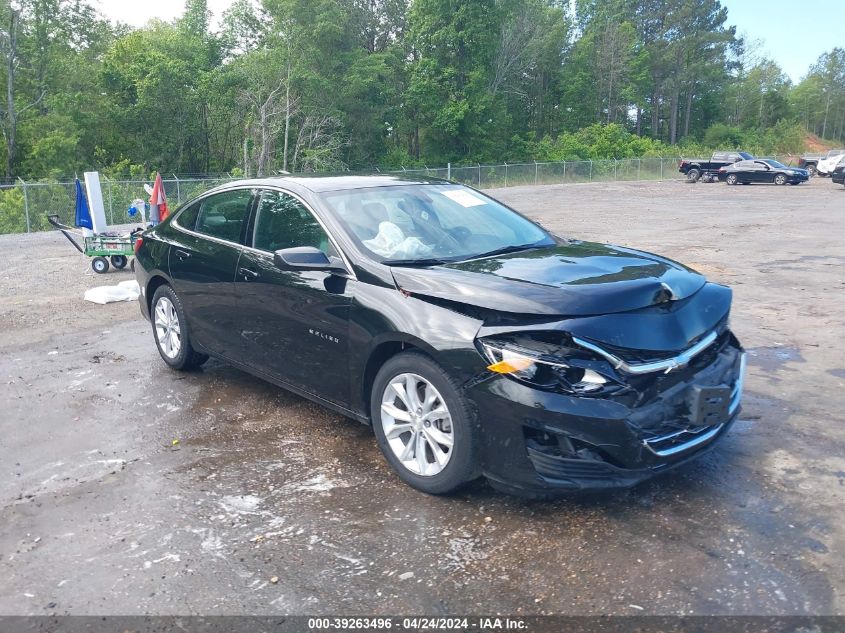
(382,315)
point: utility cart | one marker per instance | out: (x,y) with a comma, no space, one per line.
(103,247)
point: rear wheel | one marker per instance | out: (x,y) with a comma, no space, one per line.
(423,424)
(731,179)
(100,265)
(811,169)
(693,175)
(780,179)
(119,261)
(170,331)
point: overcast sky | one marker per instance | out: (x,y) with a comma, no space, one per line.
(794,34)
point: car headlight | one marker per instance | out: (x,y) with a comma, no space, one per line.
(541,370)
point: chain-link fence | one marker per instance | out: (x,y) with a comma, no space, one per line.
(24,206)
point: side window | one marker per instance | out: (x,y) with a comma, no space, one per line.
(187,218)
(223,215)
(282,221)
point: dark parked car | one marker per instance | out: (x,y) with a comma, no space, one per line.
(695,168)
(763,170)
(474,341)
(838,174)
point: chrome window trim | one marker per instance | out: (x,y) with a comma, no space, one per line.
(208,194)
(667,365)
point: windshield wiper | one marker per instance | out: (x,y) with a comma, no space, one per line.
(415,262)
(509,249)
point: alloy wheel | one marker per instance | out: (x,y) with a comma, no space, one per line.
(168,331)
(417,424)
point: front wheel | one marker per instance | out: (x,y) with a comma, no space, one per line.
(119,261)
(423,425)
(731,179)
(780,179)
(170,331)
(100,265)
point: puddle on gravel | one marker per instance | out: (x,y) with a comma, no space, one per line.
(774,358)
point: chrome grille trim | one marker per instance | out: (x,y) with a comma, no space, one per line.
(700,435)
(699,438)
(666,365)
(736,394)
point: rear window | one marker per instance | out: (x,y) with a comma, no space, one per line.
(222,215)
(187,217)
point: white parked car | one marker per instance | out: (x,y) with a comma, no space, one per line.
(828,164)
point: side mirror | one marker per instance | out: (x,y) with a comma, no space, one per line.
(304,258)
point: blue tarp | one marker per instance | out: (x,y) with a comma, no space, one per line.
(83,215)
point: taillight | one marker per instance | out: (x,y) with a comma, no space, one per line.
(138,242)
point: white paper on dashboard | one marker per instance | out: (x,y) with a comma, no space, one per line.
(463,198)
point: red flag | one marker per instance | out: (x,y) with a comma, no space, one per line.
(158,197)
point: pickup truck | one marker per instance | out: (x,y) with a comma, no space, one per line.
(827,165)
(810,162)
(695,168)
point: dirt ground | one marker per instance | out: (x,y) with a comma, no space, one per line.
(126,488)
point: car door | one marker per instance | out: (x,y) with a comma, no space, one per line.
(763,172)
(742,170)
(202,262)
(294,324)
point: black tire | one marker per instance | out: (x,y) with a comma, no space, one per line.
(187,357)
(780,179)
(693,175)
(100,265)
(132,264)
(119,261)
(462,466)
(731,179)
(811,168)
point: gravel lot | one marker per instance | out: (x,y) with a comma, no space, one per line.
(126,488)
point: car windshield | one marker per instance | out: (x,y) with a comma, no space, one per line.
(774,163)
(427,224)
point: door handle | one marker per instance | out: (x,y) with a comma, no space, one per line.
(247,273)
(181,254)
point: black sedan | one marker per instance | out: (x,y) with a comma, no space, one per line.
(475,342)
(765,170)
(838,174)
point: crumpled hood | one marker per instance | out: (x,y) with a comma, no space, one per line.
(572,279)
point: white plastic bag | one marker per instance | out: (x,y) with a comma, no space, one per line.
(124,291)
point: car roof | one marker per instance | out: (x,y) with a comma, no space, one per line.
(319,183)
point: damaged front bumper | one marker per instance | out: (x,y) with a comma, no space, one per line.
(538,440)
